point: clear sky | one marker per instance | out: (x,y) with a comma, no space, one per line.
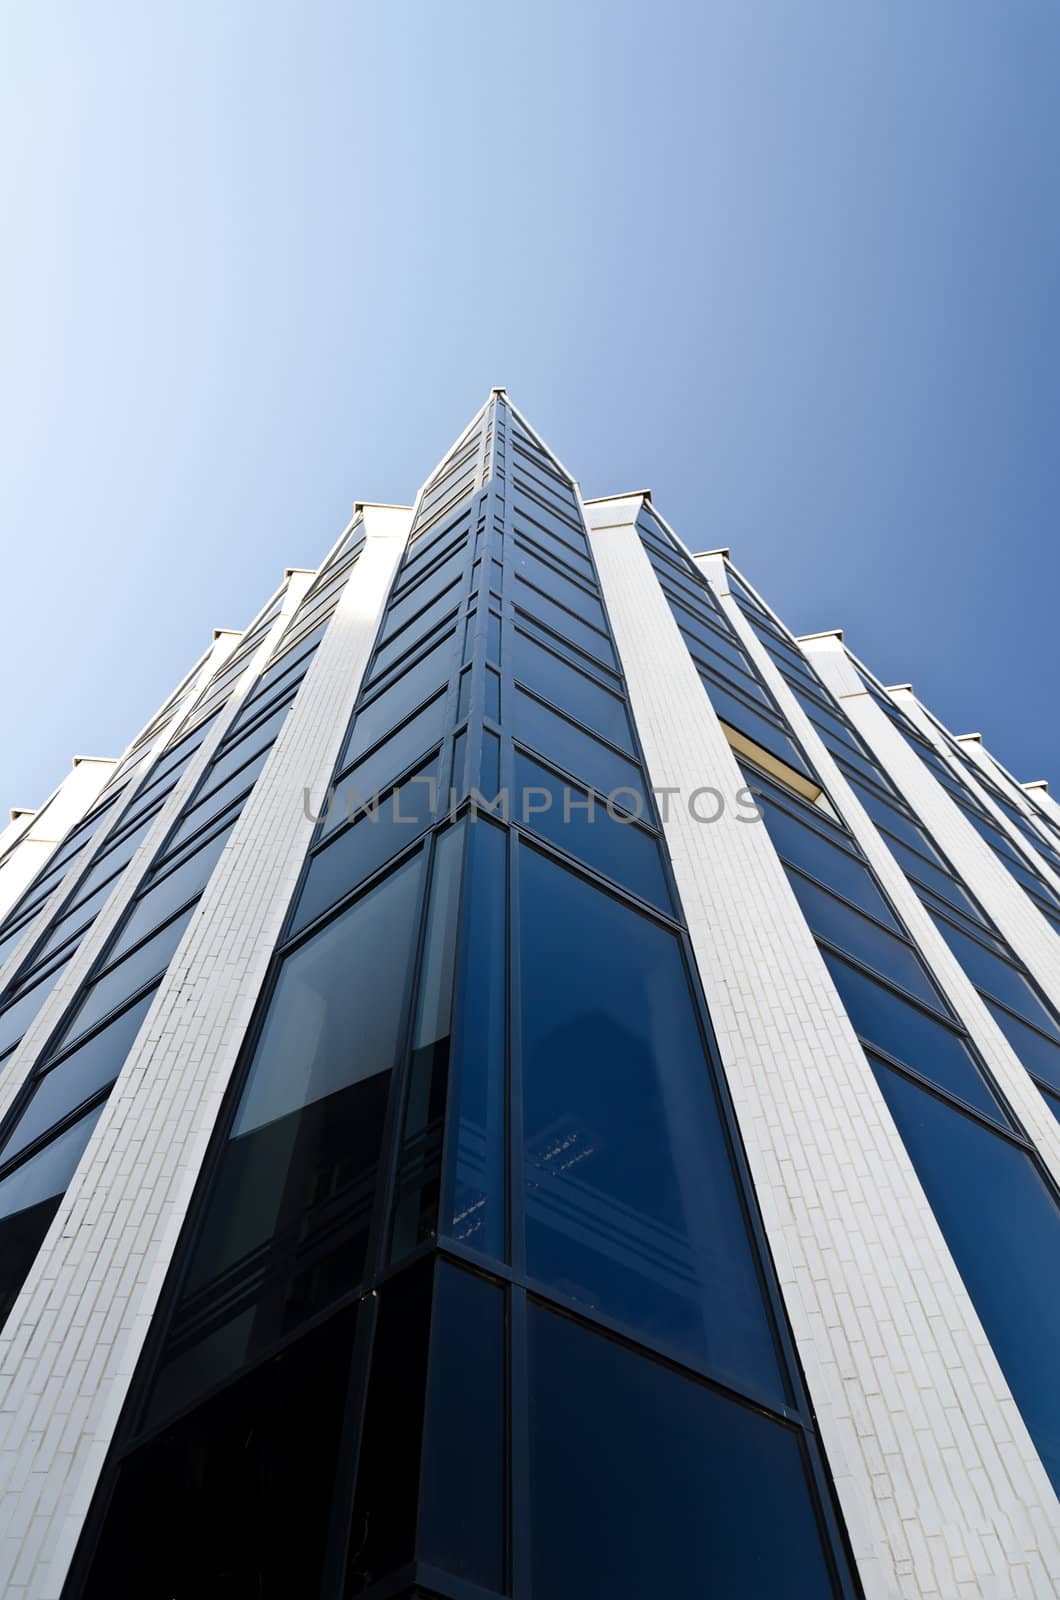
(794,266)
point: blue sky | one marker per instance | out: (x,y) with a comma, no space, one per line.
(794,267)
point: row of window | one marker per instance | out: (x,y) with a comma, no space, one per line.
(1003,982)
(42,967)
(963,793)
(1021,1010)
(736,690)
(50,1122)
(992,1198)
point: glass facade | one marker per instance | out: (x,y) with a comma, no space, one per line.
(991,1194)
(49,1122)
(479,1153)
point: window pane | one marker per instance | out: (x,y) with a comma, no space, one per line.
(395,703)
(396,647)
(575,751)
(863,939)
(377,835)
(564,623)
(172,891)
(643,1482)
(289,1213)
(464,1467)
(89,1068)
(432,587)
(383,1523)
(1002,1227)
(572,691)
(388,761)
(1038,1055)
(29,1199)
(235,1500)
(989,972)
(756,727)
(115,859)
(617,849)
(215,803)
(475,1213)
(631,1200)
(569,594)
(153,957)
(804,847)
(68,925)
(420,1157)
(20,1013)
(894,1025)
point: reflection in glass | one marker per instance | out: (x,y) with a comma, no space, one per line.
(631,1202)
(474,1207)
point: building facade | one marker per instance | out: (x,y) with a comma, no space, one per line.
(528,1080)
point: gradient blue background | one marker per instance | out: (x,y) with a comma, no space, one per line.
(793,266)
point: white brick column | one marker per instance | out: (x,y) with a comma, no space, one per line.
(69,1351)
(942,1490)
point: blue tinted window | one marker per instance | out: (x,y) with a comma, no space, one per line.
(80,1075)
(333,1017)
(416,1206)
(564,623)
(934,878)
(886,816)
(117,858)
(387,762)
(909,1035)
(548,578)
(462,1519)
(572,691)
(72,922)
(551,546)
(645,1483)
(1038,1055)
(631,1203)
(804,847)
(174,890)
(863,939)
(431,672)
(576,752)
(439,579)
(618,849)
(377,835)
(1003,1229)
(29,1199)
(20,1013)
(212,807)
(235,755)
(745,720)
(541,517)
(290,1208)
(396,647)
(989,972)
(474,1197)
(152,957)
